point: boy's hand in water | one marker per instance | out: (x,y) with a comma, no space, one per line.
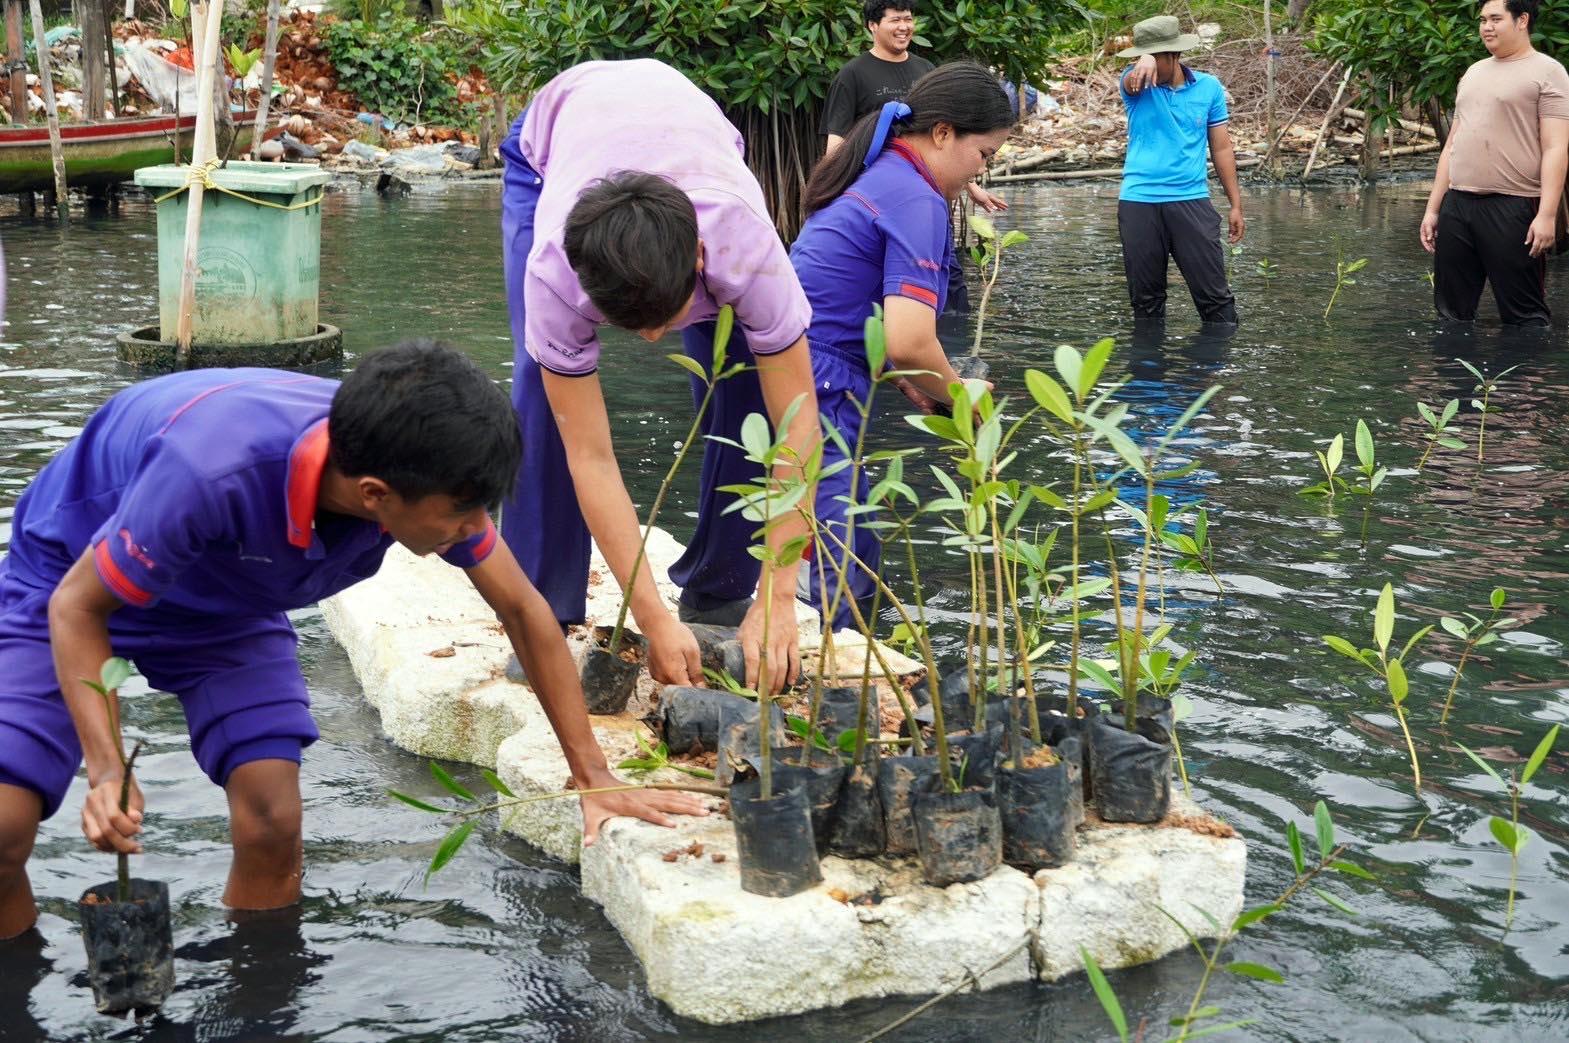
(108,828)
(654,806)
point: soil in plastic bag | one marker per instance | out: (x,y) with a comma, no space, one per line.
(130,946)
(609,679)
(720,649)
(857,829)
(1131,772)
(778,856)
(1036,809)
(958,835)
(897,778)
(974,757)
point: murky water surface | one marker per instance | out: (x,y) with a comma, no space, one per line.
(502,946)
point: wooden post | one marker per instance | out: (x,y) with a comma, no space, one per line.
(1273,158)
(16,64)
(113,78)
(90,21)
(56,150)
(1023,108)
(269,61)
(205,148)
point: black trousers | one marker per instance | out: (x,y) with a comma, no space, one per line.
(1187,231)
(1481,238)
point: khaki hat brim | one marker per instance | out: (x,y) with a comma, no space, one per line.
(1185,42)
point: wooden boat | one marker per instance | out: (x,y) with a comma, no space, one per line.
(101,153)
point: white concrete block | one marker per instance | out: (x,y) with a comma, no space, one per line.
(430,655)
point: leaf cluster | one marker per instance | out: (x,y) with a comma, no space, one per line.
(398,67)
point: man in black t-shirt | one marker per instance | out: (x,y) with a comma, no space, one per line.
(883,74)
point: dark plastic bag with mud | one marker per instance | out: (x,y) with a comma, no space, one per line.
(1132,772)
(858,829)
(774,837)
(958,835)
(130,946)
(822,776)
(610,678)
(897,778)
(1035,805)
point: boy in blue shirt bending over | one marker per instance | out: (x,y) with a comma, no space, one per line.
(1175,117)
(189,516)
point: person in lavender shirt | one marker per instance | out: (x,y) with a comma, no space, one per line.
(627,201)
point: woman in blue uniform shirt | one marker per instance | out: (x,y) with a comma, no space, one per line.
(880,233)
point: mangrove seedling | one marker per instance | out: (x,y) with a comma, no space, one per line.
(1329,462)
(1194,553)
(1367,463)
(1485,386)
(1391,668)
(1232,253)
(115,672)
(1268,271)
(1343,271)
(1438,425)
(1508,831)
(987,256)
(1200,1020)
(1476,634)
(656,757)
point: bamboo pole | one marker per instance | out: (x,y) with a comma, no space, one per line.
(111,76)
(1329,117)
(269,62)
(205,137)
(205,148)
(56,149)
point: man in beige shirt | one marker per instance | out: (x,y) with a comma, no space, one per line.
(1492,214)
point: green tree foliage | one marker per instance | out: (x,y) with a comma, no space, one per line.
(1418,48)
(397,66)
(768,63)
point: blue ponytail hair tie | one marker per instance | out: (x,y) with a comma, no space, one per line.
(893,112)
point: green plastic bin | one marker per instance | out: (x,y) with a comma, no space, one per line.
(259,267)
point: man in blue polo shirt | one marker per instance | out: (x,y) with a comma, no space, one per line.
(189,516)
(1176,120)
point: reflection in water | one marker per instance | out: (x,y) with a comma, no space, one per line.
(503,946)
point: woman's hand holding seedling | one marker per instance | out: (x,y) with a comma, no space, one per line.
(673,653)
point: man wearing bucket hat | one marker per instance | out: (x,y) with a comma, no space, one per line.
(1176,121)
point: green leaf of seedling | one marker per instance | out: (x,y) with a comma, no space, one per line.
(1336,453)
(692,366)
(723,326)
(978,257)
(1103,992)
(496,783)
(1181,708)
(114,672)
(1257,971)
(1454,627)
(1357,265)
(1094,364)
(448,782)
(1049,395)
(1070,367)
(1344,647)
(1253,916)
(1473,370)
(1506,834)
(1186,418)
(1012,238)
(1098,501)
(1048,497)
(1352,869)
(1198,1015)
(1214,1029)
(1384,618)
(1101,676)
(1125,447)
(450,846)
(1325,827)
(1486,639)
(1181,472)
(983,227)
(1411,642)
(1450,409)
(1505,372)
(416,803)
(1542,749)
(1480,763)
(1337,903)
(1294,842)
(1497,598)
(1377,479)
(846,740)
(1451,443)
(1427,414)
(1399,685)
